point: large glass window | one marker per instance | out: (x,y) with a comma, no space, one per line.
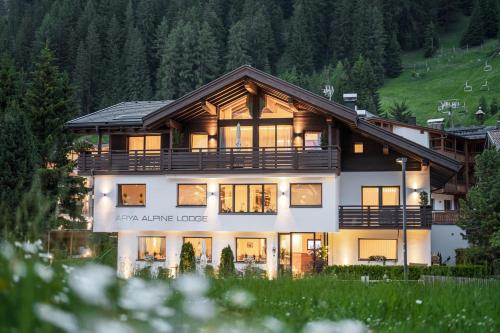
(251,249)
(375,196)
(369,248)
(305,195)
(248,199)
(148,143)
(199,141)
(275,136)
(229,136)
(131,195)
(200,245)
(191,194)
(151,248)
(276,108)
(236,110)
(312,140)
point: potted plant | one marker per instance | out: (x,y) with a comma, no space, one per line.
(423,199)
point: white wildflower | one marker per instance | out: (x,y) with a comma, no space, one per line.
(108,326)
(343,326)
(68,269)
(139,295)
(6,250)
(164,311)
(123,317)
(56,317)
(199,308)
(240,298)
(160,325)
(30,247)
(272,324)
(419,301)
(140,315)
(18,270)
(44,272)
(90,282)
(191,285)
(61,298)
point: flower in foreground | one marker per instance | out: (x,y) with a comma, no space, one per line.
(56,317)
(191,285)
(139,295)
(343,326)
(240,298)
(90,283)
(419,301)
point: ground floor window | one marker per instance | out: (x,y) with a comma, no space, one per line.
(201,245)
(251,248)
(374,249)
(152,248)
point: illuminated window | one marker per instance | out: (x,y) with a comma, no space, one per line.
(199,141)
(131,195)
(305,195)
(312,140)
(148,143)
(276,108)
(236,110)
(251,249)
(191,194)
(275,136)
(151,248)
(387,248)
(358,148)
(375,196)
(200,245)
(248,199)
(229,136)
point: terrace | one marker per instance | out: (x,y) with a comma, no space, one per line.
(390,217)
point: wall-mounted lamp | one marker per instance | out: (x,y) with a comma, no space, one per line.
(274,251)
(212,194)
(104,194)
(283,192)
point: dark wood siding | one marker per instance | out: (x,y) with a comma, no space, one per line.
(117,142)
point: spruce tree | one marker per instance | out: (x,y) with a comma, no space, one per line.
(493,106)
(136,77)
(170,60)
(206,56)
(113,83)
(363,82)
(238,52)
(393,64)
(400,111)
(10,82)
(473,35)
(489,17)
(431,40)
(342,30)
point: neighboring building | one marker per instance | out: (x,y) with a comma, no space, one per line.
(263,166)
(493,138)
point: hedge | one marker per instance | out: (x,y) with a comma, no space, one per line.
(377,272)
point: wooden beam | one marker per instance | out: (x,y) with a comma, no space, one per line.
(174,124)
(293,105)
(209,108)
(251,87)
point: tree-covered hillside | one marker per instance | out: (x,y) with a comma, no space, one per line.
(116,50)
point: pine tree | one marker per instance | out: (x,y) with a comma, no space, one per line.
(10,83)
(206,56)
(489,17)
(400,111)
(136,77)
(343,30)
(393,64)
(170,60)
(493,106)
(431,40)
(113,83)
(363,82)
(473,36)
(238,52)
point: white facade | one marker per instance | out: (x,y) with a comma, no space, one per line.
(445,240)
(416,135)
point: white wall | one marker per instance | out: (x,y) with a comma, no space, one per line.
(445,239)
(161,200)
(344,245)
(439,200)
(351,183)
(415,135)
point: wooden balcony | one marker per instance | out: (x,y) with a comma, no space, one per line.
(445,217)
(236,160)
(391,217)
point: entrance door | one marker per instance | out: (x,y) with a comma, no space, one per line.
(298,252)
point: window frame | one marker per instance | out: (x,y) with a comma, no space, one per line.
(201,237)
(366,259)
(306,206)
(362,148)
(119,195)
(275,126)
(248,212)
(197,150)
(320,139)
(150,236)
(380,196)
(194,184)
(236,249)
(144,142)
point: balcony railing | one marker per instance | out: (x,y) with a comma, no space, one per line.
(445,217)
(390,217)
(216,159)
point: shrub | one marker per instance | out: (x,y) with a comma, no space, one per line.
(209,271)
(226,266)
(188,260)
(377,272)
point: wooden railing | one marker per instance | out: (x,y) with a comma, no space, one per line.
(445,217)
(217,159)
(390,217)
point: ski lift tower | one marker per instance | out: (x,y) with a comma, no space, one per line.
(328,91)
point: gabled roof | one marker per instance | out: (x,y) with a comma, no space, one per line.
(494,138)
(121,114)
(471,133)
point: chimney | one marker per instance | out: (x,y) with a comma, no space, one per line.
(411,120)
(350,100)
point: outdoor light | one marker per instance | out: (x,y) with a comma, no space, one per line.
(212,194)
(402,161)
(283,193)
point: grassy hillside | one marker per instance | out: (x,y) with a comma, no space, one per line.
(443,78)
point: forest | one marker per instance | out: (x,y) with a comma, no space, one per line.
(124,50)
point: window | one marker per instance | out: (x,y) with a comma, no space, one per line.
(375,196)
(387,248)
(358,148)
(191,194)
(305,195)
(229,136)
(447,204)
(201,244)
(199,141)
(248,199)
(275,136)
(151,248)
(251,248)
(236,110)
(131,195)
(312,140)
(313,244)
(276,108)
(145,143)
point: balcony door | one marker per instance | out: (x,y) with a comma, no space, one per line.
(300,251)
(271,136)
